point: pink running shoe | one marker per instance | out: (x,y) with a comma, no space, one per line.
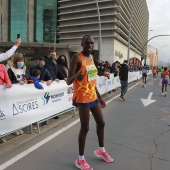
(103,155)
(83,165)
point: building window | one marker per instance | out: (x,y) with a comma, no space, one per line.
(45,19)
(18,24)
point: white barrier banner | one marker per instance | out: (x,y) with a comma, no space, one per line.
(23,105)
(105,85)
(101,84)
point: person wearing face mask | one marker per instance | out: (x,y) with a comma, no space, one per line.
(63,64)
(45,74)
(53,67)
(18,73)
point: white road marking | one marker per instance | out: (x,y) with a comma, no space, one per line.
(148,101)
(34,147)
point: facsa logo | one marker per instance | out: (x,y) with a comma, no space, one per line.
(70,90)
(2,116)
(46,98)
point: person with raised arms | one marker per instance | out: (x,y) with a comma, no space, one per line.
(9,53)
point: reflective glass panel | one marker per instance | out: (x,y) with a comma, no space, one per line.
(18,20)
(45,19)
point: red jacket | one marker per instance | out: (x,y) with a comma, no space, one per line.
(4,78)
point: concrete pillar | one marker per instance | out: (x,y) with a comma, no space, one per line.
(30,20)
(5,19)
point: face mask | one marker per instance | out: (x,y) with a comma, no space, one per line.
(41,66)
(20,64)
(51,57)
(63,61)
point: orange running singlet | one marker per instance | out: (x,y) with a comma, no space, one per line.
(84,91)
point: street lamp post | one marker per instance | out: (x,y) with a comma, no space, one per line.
(56,33)
(100,33)
(161,48)
(130,25)
(147,43)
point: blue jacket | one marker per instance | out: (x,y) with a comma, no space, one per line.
(37,83)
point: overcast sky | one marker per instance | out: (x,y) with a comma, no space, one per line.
(159,22)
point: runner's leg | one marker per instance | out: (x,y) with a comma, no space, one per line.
(145,79)
(162,87)
(84,114)
(166,87)
(100,124)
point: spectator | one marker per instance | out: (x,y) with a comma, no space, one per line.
(4,78)
(9,64)
(114,68)
(63,64)
(35,76)
(18,73)
(100,69)
(44,72)
(9,53)
(130,68)
(106,73)
(52,66)
(123,79)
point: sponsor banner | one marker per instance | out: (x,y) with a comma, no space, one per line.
(132,76)
(102,84)
(23,105)
(105,85)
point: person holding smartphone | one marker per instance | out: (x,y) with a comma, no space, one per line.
(9,53)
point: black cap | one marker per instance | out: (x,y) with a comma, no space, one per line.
(41,58)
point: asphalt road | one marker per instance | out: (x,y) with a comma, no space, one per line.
(136,136)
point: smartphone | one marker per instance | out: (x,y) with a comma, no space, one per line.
(18,36)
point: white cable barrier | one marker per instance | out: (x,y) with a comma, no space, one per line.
(23,105)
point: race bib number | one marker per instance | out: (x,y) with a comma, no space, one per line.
(144,71)
(91,72)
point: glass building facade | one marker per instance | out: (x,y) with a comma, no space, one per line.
(45,20)
(18,19)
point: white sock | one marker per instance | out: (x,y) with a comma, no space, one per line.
(102,149)
(81,157)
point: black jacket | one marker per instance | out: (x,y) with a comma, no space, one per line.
(13,78)
(123,72)
(114,70)
(62,70)
(45,74)
(54,69)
